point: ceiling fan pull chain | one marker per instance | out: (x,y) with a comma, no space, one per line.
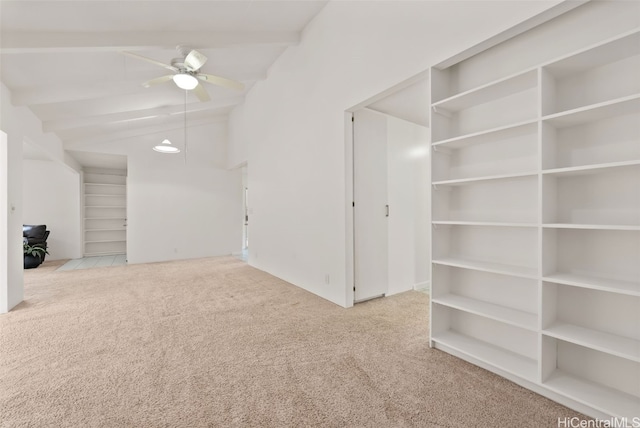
(185,127)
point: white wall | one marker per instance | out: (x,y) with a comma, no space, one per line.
(178,210)
(182,212)
(293,122)
(20,125)
(237,151)
(408,195)
(11,284)
(51,196)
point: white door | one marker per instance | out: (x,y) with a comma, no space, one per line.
(245,230)
(408,196)
(370,209)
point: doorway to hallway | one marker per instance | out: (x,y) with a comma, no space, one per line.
(390,183)
(244,253)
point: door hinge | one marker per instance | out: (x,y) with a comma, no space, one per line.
(353,204)
(354,288)
(352,119)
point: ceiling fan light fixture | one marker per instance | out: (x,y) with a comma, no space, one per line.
(185,81)
(166,147)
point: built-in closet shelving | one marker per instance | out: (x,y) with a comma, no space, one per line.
(536,224)
(105,212)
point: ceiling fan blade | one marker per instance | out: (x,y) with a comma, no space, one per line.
(194,60)
(220,81)
(152,61)
(158,80)
(201,93)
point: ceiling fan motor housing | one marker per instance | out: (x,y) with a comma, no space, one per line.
(179,64)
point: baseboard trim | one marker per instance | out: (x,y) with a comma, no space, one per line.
(426,285)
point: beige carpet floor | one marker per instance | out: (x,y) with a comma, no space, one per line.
(216,343)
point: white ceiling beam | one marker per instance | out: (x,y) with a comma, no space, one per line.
(50,94)
(57,94)
(84,142)
(86,121)
(38,42)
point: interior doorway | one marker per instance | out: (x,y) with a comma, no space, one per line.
(371,205)
(390,192)
(245,214)
(245,229)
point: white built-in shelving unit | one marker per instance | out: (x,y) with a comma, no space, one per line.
(105,212)
(536,224)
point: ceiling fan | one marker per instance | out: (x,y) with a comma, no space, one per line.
(187,73)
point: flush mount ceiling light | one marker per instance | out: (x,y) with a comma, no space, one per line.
(166,147)
(185,81)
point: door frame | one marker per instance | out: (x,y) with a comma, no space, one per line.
(349,178)
(370,158)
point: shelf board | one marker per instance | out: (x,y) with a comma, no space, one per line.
(604,342)
(591,226)
(105,241)
(609,51)
(489,310)
(463,181)
(602,398)
(589,169)
(617,107)
(502,132)
(104,184)
(105,218)
(104,195)
(595,283)
(482,223)
(104,206)
(122,229)
(490,354)
(519,271)
(489,92)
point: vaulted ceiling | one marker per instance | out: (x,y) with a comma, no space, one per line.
(63,59)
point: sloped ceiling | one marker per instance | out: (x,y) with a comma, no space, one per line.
(63,59)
